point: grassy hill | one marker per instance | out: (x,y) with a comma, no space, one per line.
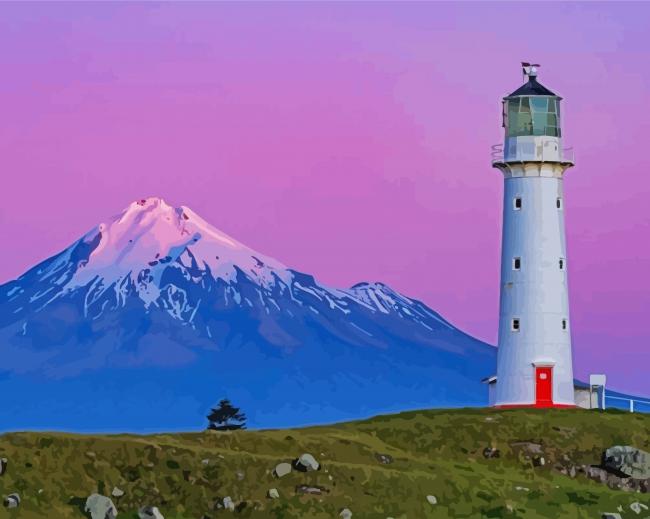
(378,468)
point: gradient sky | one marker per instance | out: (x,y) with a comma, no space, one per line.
(351,141)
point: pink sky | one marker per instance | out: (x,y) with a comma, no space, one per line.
(351,141)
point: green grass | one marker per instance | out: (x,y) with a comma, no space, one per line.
(434,452)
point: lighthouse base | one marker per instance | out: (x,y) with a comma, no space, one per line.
(535,406)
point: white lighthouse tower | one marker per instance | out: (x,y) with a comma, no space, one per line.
(534,365)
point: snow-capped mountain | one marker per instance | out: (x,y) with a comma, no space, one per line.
(154,315)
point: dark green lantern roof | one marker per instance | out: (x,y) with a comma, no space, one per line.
(532,88)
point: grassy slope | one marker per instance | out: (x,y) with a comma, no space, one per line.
(435,452)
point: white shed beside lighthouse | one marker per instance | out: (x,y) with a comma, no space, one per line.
(534,362)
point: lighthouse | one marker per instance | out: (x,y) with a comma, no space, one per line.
(534,363)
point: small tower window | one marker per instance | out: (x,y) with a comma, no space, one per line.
(558,203)
(564,324)
(517,203)
(561,263)
(514,325)
(516,263)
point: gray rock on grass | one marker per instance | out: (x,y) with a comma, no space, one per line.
(637,507)
(150,512)
(346,513)
(432,500)
(307,463)
(228,504)
(117,492)
(12,501)
(629,461)
(100,507)
(273,493)
(282,469)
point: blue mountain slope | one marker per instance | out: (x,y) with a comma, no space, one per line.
(151,318)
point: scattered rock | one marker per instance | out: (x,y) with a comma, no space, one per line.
(312,490)
(527,447)
(150,512)
(282,469)
(491,452)
(432,500)
(240,475)
(3,465)
(523,489)
(627,461)
(610,515)
(637,507)
(205,461)
(273,493)
(615,481)
(306,463)
(12,501)
(539,461)
(346,513)
(228,504)
(117,492)
(91,454)
(100,507)
(384,459)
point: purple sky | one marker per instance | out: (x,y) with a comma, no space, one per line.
(351,141)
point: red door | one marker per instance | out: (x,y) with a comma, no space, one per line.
(544,386)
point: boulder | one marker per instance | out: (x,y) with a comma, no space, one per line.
(306,463)
(117,492)
(627,461)
(637,507)
(228,504)
(12,501)
(491,452)
(384,459)
(346,513)
(432,500)
(273,493)
(311,490)
(282,469)
(150,512)
(528,447)
(100,507)
(3,465)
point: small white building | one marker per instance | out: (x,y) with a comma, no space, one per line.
(534,363)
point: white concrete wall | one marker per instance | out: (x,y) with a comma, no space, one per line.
(533,147)
(583,398)
(538,293)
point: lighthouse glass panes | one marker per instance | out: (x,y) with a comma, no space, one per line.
(533,115)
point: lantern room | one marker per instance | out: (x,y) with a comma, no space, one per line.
(531,118)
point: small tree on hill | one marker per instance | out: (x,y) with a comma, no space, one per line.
(226,417)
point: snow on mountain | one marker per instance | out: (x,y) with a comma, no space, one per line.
(156,307)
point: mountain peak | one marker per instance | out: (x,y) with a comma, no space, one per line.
(150,234)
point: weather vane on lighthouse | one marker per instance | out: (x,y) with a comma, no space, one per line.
(534,362)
